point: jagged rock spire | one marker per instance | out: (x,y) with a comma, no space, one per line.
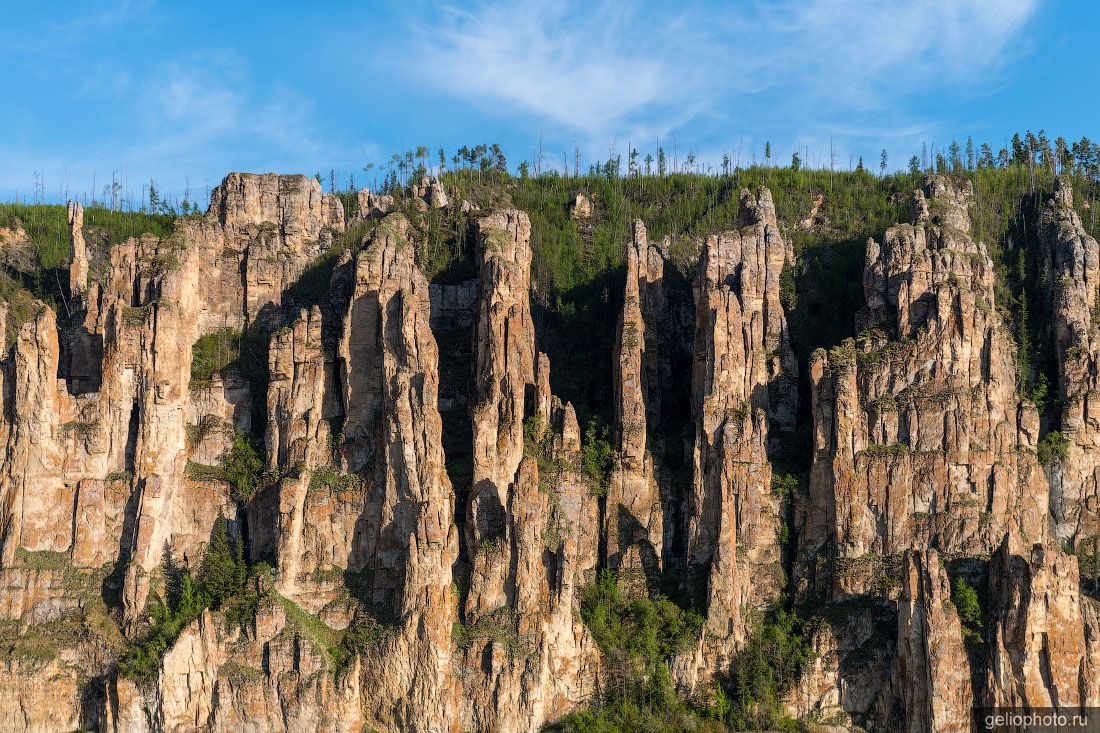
(78,254)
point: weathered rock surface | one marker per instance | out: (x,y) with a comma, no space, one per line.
(532,530)
(581,208)
(1072,263)
(78,251)
(428,193)
(41,699)
(256,239)
(372,205)
(853,677)
(37,505)
(634,515)
(741,350)
(920,441)
(1038,651)
(505,361)
(933,666)
(453,304)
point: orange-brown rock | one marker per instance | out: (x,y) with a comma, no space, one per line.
(1038,654)
(1072,264)
(634,515)
(921,441)
(741,352)
(933,665)
(78,251)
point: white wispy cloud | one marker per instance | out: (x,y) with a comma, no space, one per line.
(615,68)
(590,66)
(868,54)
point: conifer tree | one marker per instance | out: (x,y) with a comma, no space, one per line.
(219,573)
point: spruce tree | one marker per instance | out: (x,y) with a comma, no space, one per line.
(219,573)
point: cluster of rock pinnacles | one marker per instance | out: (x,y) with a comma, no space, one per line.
(924,458)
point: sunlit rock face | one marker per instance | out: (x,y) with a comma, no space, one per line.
(386,585)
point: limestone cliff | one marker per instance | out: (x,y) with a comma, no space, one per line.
(380,580)
(532,530)
(256,238)
(634,513)
(932,659)
(919,437)
(1072,265)
(741,351)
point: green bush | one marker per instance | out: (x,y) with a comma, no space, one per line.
(224,582)
(498,626)
(1052,448)
(596,456)
(785,484)
(766,668)
(167,619)
(638,638)
(223,570)
(243,467)
(212,353)
(967,604)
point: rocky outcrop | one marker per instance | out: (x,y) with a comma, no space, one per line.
(532,529)
(169,327)
(381,609)
(294,204)
(371,205)
(453,304)
(920,441)
(853,678)
(296,432)
(257,237)
(276,677)
(741,349)
(297,443)
(217,412)
(1072,263)
(36,503)
(379,507)
(1038,654)
(39,698)
(427,193)
(634,515)
(934,669)
(504,367)
(581,208)
(78,251)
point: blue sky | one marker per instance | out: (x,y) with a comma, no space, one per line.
(185,91)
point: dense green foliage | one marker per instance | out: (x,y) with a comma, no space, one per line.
(243,353)
(638,638)
(212,353)
(967,604)
(40,268)
(243,467)
(21,307)
(1052,448)
(224,582)
(596,455)
(765,669)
